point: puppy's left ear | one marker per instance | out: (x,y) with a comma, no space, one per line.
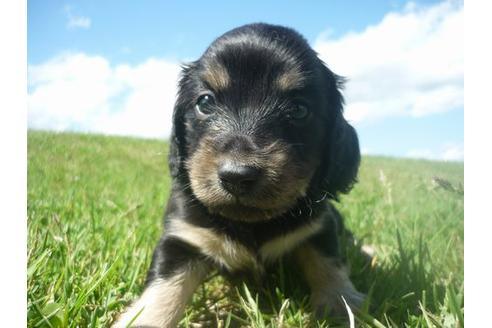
(341,158)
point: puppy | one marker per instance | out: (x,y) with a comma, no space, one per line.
(259,146)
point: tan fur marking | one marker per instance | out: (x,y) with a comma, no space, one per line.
(232,255)
(328,282)
(292,79)
(202,167)
(284,182)
(216,76)
(277,247)
(163,302)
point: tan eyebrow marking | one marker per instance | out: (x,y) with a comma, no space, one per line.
(292,78)
(216,76)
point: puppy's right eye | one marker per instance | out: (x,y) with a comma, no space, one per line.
(204,105)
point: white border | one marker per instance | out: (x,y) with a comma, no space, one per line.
(478,166)
(13,179)
(478,163)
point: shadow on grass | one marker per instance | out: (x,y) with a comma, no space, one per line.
(404,289)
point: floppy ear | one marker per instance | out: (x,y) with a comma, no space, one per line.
(341,156)
(343,159)
(177,146)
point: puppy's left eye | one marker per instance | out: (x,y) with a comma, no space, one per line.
(300,112)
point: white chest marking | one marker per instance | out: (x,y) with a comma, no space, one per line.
(232,254)
(223,250)
(275,248)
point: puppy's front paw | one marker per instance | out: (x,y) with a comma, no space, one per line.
(331,303)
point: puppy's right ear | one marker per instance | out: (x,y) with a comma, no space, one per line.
(177,147)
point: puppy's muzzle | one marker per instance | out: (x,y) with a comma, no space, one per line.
(237,178)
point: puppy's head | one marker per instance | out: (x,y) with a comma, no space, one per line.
(258,126)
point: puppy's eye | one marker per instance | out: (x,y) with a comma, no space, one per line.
(204,105)
(300,112)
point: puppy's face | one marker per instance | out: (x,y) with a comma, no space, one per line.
(256,117)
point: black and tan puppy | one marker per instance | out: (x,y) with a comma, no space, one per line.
(259,145)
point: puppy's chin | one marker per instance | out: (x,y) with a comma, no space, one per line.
(246,213)
(261,206)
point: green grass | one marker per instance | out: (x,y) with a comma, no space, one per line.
(95,205)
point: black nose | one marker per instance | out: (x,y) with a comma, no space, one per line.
(238,179)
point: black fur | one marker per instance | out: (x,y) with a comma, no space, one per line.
(341,154)
(340,151)
(171,253)
(254,111)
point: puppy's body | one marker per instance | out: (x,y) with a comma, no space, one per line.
(259,141)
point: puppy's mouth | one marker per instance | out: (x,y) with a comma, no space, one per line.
(257,203)
(239,210)
(253,186)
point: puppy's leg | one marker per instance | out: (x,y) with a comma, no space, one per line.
(329,281)
(175,273)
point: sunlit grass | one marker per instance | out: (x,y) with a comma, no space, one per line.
(95,206)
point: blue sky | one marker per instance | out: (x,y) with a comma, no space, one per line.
(115,62)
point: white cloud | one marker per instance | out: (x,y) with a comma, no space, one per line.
(420,153)
(85,93)
(453,152)
(76,21)
(410,64)
(447,152)
(79,21)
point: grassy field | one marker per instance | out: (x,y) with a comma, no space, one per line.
(94,215)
